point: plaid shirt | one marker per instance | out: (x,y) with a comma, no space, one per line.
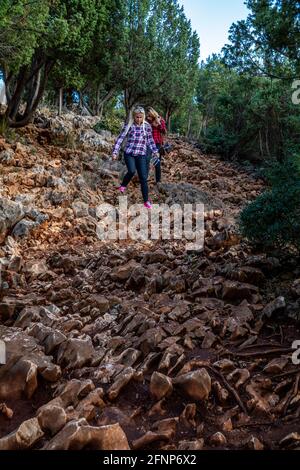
(159,131)
(139,137)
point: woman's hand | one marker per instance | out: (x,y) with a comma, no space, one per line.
(155,159)
(156,122)
(114,157)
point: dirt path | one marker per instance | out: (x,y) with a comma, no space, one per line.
(177,350)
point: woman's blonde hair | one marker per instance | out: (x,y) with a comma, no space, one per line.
(133,112)
(152,113)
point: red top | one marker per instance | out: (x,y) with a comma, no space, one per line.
(159,131)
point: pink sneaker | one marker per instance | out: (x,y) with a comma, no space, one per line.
(122,189)
(148,205)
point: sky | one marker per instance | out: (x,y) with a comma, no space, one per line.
(212,20)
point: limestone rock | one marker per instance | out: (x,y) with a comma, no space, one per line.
(160,385)
(196,384)
(25,361)
(24,437)
(78,435)
(75,353)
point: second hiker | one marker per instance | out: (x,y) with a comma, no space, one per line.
(159,130)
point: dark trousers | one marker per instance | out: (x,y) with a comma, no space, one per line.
(138,164)
(157,166)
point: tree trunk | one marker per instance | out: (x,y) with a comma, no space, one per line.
(189,125)
(200,131)
(129,101)
(14,102)
(84,106)
(97,104)
(34,86)
(101,102)
(60,101)
(100,112)
(23,120)
(168,120)
(38,84)
(260,144)
(267,143)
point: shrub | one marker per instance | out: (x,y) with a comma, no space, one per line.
(112,123)
(273,219)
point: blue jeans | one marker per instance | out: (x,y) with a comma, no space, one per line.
(157,166)
(138,164)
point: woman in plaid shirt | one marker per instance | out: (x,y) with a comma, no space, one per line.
(139,136)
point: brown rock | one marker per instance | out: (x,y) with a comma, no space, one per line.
(227,425)
(158,409)
(291,440)
(277,365)
(158,256)
(24,437)
(7,310)
(248,275)
(88,406)
(128,357)
(25,361)
(52,418)
(191,445)
(166,427)
(8,412)
(221,392)
(147,439)
(188,415)
(100,302)
(46,336)
(242,374)
(209,340)
(160,385)
(75,353)
(196,384)
(255,444)
(122,380)
(77,435)
(277,306)
(218,439)
(233,290)
(137,278)
(123,272)
(150,340)
(224,364)
(262,398)
(295,289)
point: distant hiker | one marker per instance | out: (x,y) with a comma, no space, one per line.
(159,130)
(135,137)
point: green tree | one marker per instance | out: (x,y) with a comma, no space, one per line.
(159,48)
(246,117)
(268,42)
(177,91)
(59,33)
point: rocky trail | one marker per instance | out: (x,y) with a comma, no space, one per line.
(138,345)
